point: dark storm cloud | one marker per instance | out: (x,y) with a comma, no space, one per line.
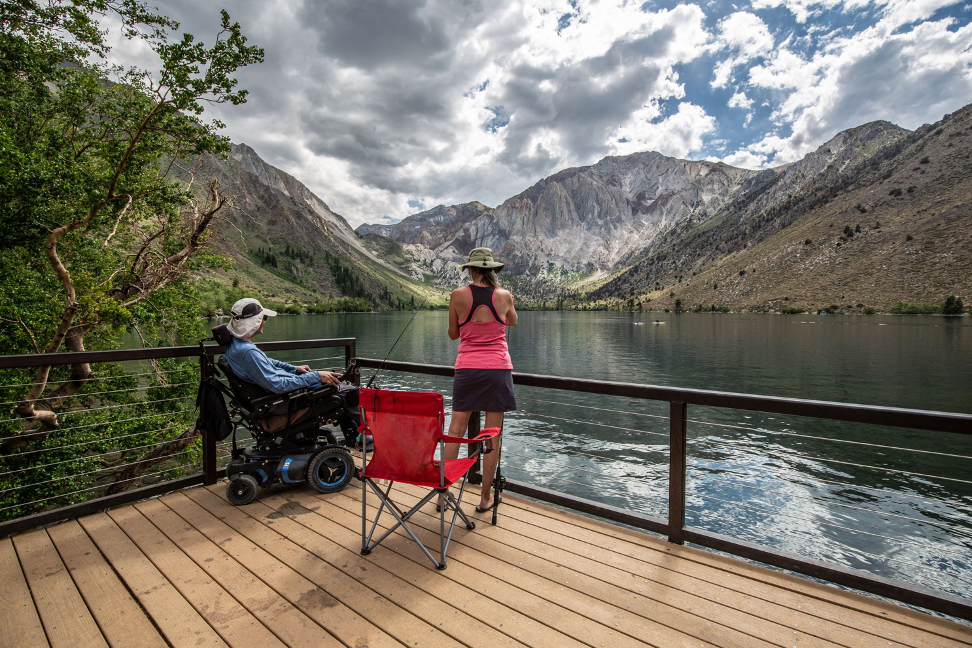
(375,33)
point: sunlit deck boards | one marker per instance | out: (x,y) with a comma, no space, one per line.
(190,570)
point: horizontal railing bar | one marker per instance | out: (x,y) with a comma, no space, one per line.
(854,413)
(122,355)
(100,504)
(606,511)
(913,595)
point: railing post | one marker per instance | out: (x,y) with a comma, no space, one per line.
(473,430)
(208,442)
(676,471)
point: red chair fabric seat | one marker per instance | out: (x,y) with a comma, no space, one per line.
(407,429)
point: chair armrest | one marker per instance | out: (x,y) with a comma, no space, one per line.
(488,433)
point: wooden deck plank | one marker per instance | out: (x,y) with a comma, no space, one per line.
(178,621)
(662,625)
(517,540)
(67,620)
(794,593)
(326,595)
(288,569)
(288,623)
(901,629)
(19,624)
(611,598)
(222,611)
(455,607)
(119,616)
(404,582)
(507,585)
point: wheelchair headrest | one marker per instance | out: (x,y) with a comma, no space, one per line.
(222,335)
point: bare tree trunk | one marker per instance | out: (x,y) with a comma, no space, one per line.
(126,478)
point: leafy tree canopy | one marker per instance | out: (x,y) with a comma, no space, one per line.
(95,238)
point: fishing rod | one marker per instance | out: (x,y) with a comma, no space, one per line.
(382,363)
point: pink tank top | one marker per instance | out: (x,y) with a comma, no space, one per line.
(482,345)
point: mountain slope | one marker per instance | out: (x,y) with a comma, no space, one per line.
(287,244)
(650,229)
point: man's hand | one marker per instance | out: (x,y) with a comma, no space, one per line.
(330,378)
(302,369)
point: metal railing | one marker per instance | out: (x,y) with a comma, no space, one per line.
(677,499)
(672,523)
(127,422)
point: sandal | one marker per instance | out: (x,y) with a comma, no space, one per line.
(490,508)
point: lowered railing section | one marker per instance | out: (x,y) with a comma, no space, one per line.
(842,492)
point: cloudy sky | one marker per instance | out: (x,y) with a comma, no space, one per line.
(385,108)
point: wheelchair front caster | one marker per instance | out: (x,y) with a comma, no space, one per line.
(242,489)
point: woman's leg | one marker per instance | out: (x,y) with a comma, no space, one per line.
(493,419)
(457,428)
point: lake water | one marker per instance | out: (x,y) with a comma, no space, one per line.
(890,501)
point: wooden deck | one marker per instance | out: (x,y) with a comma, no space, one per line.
(191,570)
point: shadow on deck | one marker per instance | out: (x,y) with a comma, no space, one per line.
(189,569)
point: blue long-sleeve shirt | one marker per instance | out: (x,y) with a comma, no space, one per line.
(251,364)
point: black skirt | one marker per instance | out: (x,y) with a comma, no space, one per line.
(483,390)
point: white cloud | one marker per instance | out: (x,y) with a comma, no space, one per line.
(375,104)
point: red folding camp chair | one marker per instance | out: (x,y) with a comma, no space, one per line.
(407,427)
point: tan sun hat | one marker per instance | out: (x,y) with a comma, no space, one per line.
(482,259)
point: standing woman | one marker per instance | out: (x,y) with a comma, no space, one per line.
(478,317)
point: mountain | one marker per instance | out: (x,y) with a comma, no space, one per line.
(646,229)
(288,245)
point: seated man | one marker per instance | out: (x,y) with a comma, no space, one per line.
(252,365)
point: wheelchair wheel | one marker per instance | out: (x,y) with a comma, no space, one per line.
(242,489)
(331,469)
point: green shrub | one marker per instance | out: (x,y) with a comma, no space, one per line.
(848,232)
(953,306)
(895,192)
(868,310)
(808,242)
(909,238)
(790,310)
(907,308)
(924,160)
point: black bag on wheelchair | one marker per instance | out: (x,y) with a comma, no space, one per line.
(214,418)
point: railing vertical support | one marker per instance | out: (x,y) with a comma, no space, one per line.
(678,417)
(208,442)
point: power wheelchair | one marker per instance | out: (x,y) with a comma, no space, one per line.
(293,433)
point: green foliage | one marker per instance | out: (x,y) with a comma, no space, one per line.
(895,192)
(868,310)
(953,306)
(95,239)
(108,425)
(346,278)
(848,232)
(792,310)
(907,308)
